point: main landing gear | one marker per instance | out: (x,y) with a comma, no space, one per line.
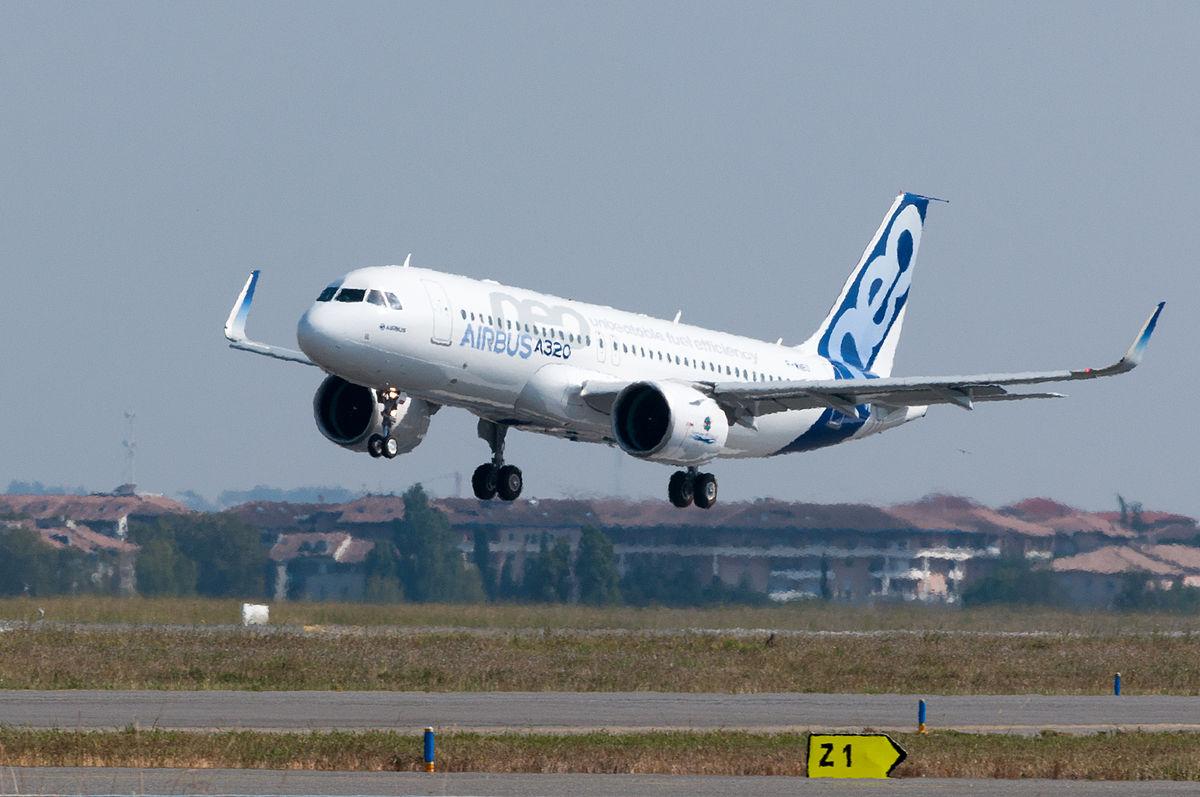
(494,478)
(384,445)
(687,486)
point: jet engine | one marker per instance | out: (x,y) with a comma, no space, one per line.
(670,423)
(349,414)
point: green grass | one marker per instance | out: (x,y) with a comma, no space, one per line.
(1109,756)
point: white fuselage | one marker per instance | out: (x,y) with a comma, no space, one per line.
(519,357)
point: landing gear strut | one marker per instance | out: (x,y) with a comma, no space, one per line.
(687,486)
(494,478)
(384,445)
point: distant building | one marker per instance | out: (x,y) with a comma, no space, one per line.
(96,524)
(926,551)
(1095,579)
(317,566)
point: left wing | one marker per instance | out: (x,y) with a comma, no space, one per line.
(745,401)
(235,328)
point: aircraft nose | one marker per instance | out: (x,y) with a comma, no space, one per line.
(316,335)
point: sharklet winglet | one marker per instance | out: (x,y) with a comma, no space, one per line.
(235,328)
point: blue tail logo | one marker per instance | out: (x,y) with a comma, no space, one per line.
(866,319)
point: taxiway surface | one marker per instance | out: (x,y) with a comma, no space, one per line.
(561,712)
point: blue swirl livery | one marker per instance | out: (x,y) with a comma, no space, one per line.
(863,326)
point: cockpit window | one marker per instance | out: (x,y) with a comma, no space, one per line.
(375,297)
(351,294)
(393,301)
(327,294)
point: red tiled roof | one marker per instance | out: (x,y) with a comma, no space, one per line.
(110,508)
(85,539)
(337,545)
(1164,560)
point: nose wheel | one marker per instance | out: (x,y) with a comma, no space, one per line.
(688,486)
(494,478)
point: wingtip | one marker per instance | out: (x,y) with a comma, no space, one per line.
(1133,357)
(235,325)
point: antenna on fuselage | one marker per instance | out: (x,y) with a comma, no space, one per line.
(678,315)
(407,259)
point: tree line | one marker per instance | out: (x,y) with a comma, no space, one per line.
(419,561)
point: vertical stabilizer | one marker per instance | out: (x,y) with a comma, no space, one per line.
(863,326)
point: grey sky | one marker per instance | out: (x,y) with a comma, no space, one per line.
(729,160)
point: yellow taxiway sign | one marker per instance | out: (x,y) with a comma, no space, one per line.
(862,755)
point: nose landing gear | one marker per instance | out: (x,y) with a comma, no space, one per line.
(384,445)
(690,486)
(494,478)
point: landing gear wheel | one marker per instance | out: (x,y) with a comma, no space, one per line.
(375,445)
(705,488)
(680,490)
(391,447)
(509,483)
(484,481)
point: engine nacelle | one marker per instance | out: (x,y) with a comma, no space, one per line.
(670,423)
(348,414)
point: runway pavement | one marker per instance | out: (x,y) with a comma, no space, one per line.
(150,782)
(559,712)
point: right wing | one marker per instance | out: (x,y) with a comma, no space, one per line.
(744,401)
(235,328)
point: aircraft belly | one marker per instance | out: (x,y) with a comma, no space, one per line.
(773,433)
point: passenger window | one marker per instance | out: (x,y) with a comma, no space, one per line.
(393,301)
(327,294)
(375,297)
(464,314)
(351,294)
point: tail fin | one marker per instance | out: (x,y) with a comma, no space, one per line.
(863,326)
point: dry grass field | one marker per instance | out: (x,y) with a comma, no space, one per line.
(1114,756)
(136,644)
(803,616)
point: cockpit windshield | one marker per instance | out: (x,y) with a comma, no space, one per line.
(373,296)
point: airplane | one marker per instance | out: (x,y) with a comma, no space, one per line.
(399,342)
